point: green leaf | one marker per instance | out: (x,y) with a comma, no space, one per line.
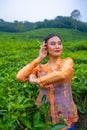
(37,120)
(43,101)
(58,126)
(37,116)
(39,124)
(26,123)
(80,108)
(45,108)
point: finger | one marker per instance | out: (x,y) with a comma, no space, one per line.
(43,47)
(43,42)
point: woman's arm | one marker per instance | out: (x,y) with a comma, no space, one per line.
(23,74)
(65,73)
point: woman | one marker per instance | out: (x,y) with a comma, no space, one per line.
(54,79)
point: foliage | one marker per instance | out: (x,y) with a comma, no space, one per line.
(17,100)
(76,14)
(58,22)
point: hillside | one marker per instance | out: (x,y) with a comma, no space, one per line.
(65,34)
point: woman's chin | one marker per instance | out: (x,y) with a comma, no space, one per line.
(55,56)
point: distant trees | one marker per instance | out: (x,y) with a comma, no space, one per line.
(76,23)
(73,22)
(1,20)
(63,22)
(76,14)
(20,26)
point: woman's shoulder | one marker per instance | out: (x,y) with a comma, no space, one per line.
(69,59)
(64,61)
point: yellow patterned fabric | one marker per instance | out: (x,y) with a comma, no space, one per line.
(55,83)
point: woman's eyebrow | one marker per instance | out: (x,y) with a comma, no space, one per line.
(57,41)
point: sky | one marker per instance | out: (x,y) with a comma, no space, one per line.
(38,10)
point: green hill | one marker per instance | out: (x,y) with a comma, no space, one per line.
(65,34)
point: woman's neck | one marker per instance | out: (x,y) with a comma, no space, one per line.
(52,60)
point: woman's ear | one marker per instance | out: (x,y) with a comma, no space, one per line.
(47,51)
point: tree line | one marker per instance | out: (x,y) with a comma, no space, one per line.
(72,22)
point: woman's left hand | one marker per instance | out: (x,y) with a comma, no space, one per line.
(33,79)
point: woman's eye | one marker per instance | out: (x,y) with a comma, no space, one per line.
(59,43)
(52,43)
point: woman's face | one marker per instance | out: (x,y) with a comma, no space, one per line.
(54,46)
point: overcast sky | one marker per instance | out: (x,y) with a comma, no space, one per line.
(38,10)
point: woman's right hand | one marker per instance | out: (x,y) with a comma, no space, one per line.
(43,51)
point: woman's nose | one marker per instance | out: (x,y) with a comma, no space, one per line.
(57,46)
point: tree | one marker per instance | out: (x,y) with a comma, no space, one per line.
(20,26)
(76,14)
(1,20)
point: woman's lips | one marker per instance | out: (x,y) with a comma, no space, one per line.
(57,51)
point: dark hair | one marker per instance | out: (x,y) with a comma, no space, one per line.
(50,36)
